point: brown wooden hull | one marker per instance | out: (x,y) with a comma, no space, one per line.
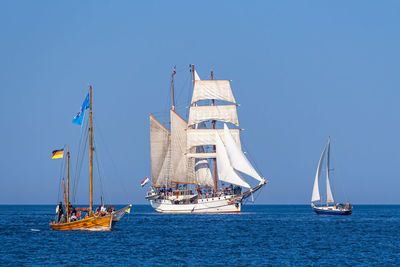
(94,223)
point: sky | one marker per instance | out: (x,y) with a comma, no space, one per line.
(301,71)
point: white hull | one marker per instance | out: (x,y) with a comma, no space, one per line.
(221,204)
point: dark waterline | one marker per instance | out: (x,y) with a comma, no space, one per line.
(261,235)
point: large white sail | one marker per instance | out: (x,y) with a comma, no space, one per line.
(329,196)
(204,137)
(225,171)
(315,194)
(160,152)
(225,113)
(236,156)
(179,161)
(212,89)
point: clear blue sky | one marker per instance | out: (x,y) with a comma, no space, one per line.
(301,71)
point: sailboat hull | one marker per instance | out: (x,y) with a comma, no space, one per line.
(94,223)
(207,205)
(331,211)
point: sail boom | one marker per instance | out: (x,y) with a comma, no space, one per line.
(201,155)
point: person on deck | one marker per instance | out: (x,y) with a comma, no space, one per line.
(73,218)
(62,219)
(103,210)
(98,210)
(59,211)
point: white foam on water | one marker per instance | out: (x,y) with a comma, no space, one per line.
(35,230)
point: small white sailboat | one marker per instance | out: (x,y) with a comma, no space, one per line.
(334,209)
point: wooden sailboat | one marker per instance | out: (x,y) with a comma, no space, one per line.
(182,179)
(93,222)
(331,208)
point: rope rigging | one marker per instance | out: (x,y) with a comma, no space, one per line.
(81,154)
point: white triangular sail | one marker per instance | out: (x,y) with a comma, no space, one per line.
(225,171)
(315,194)
(159,152)
(236,156)
(196,76)
(329,196)
(225,113)
(212,89)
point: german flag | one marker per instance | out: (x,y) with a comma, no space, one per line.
(57,154)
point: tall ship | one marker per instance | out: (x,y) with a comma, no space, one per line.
(329,207)
(70,218)
(197,165)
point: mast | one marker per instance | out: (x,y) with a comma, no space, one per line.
(329,196)
(173,92)
(67,201)
(90,150)
(214,147)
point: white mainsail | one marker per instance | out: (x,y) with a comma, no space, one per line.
(212,89)
(329,196)
(315,194)
(225,113)
(160,140)
(225,171)
(236,156)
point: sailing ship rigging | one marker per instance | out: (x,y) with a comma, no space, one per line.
(335,209)
(99,221)
(182,178)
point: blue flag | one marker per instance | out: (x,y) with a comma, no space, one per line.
(78,119)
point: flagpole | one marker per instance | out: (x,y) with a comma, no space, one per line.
(90,151)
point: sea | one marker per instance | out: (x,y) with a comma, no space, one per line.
(262,235)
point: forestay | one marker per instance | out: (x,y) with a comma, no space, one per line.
(225,113)
(225,171)
(212,89)
(160,152)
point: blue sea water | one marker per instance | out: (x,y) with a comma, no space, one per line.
(275,235)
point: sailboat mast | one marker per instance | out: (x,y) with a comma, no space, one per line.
(90,150)
(173,90)
(214,147)
(67,201)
